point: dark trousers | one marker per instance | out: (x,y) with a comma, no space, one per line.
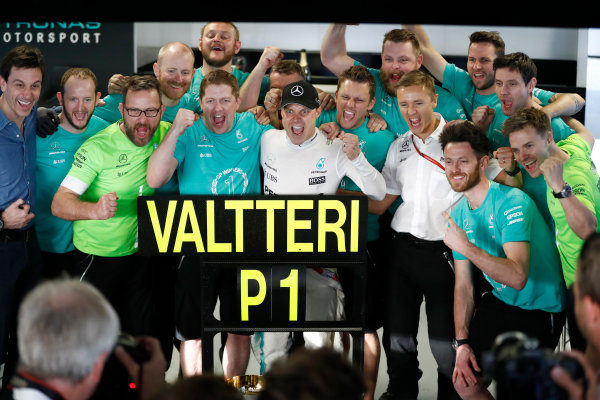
(418,269)
(56,265)
(576,339)
(493,317)
(127,284)
(20,267)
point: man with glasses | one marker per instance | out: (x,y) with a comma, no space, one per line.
(100,195)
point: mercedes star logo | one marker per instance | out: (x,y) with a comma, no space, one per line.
(297,90)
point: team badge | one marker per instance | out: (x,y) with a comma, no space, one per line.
(297,91)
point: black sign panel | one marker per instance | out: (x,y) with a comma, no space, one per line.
(271,293)
(301,229)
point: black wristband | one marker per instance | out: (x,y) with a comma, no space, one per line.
(513,173)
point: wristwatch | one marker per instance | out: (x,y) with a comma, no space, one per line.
(564,193)
(456,343)
(1,221)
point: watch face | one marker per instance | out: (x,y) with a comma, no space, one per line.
(564,193)
(567,191)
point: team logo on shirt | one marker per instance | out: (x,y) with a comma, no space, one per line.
(55,149)
(321,163)
(123,158)
(467,225)
(387,100)
(204,142)
(240,136)
(405,146)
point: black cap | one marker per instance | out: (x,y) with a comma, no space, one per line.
(302,93)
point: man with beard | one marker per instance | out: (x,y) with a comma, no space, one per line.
(474,88)
(516,78)
(418,263)
(219,42)
(174,69)
(78,97)
(100,195)
(493,229)
(400,54)
(570,180)
(215,155)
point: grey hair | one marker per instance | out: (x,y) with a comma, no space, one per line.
(63,327)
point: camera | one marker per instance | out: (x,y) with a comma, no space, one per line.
(116,382)
(522,370)
(133,347)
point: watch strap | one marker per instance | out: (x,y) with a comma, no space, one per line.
(459,342)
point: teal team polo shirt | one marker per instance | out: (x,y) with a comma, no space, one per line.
(221,164)
(54,158)
(509,215)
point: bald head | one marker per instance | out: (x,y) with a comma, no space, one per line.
(175,48)
(174,69)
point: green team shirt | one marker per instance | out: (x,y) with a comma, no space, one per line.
(110,162)
(387,106)
(375,146)
(110,112)
(580,172)
(221,164)
(241,77)
(54,159)
(509,215)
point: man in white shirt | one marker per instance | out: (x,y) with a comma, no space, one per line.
(421,264)
(301,160)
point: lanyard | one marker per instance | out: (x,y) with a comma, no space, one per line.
(425,156)
(24,380)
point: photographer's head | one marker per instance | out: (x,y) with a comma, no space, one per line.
(313,374)
(587,290)
(66,329)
